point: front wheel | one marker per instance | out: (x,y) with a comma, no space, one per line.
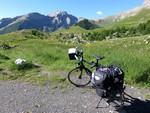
(79,77)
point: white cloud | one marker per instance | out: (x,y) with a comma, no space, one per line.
(99,12)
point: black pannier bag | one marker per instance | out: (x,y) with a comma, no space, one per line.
(104,79)
(118,75)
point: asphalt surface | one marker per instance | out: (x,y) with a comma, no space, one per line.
(16,97)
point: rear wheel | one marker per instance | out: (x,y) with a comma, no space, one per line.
(79,77)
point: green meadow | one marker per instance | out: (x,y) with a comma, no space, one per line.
(48,60)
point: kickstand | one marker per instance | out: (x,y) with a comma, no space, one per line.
(107,102)
(99,102)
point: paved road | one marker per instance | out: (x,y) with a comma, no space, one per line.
(18,97)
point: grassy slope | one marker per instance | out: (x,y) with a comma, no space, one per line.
(72,29)
(142,16)
(131,54)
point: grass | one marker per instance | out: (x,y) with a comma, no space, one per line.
(131,54)
(147,96)
(142,17)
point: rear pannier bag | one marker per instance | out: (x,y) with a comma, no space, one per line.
(100,75)
(103,80)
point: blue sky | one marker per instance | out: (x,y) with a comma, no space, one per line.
(90,9)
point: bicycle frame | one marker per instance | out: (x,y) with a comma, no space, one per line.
(82,66)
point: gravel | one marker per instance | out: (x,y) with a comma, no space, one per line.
(16,97)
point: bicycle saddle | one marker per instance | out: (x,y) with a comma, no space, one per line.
(99,57)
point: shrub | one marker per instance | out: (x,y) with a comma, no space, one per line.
(5,46)
(20,67)
(4,57)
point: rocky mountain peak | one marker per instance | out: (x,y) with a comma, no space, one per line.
(63,19)
(146,4)
(58,13)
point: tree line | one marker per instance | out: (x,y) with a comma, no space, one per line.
(141,29)
(118,32)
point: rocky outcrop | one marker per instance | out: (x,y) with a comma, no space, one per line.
(62,19)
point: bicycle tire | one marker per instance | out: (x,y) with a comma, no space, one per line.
(79,77)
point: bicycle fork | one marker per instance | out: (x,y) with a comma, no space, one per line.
(88,72)
(80,76)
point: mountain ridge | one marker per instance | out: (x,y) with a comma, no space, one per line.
(36,20)
(134,11)
(59,20)
(126,14)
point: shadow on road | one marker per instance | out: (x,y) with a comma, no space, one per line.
(131,104)
(135,105)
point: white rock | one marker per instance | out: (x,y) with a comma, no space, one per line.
(19,61)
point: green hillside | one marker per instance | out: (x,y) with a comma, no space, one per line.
(72,29)
(13,27)
(131,54)
(76,34)
(142,17)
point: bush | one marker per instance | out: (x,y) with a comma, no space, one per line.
(23,66)
(4,57)
(5,46)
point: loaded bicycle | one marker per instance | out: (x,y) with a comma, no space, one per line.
(107,80)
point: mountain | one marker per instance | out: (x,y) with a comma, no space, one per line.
(62,19)
(52,22)
(121,16)
(133,12)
